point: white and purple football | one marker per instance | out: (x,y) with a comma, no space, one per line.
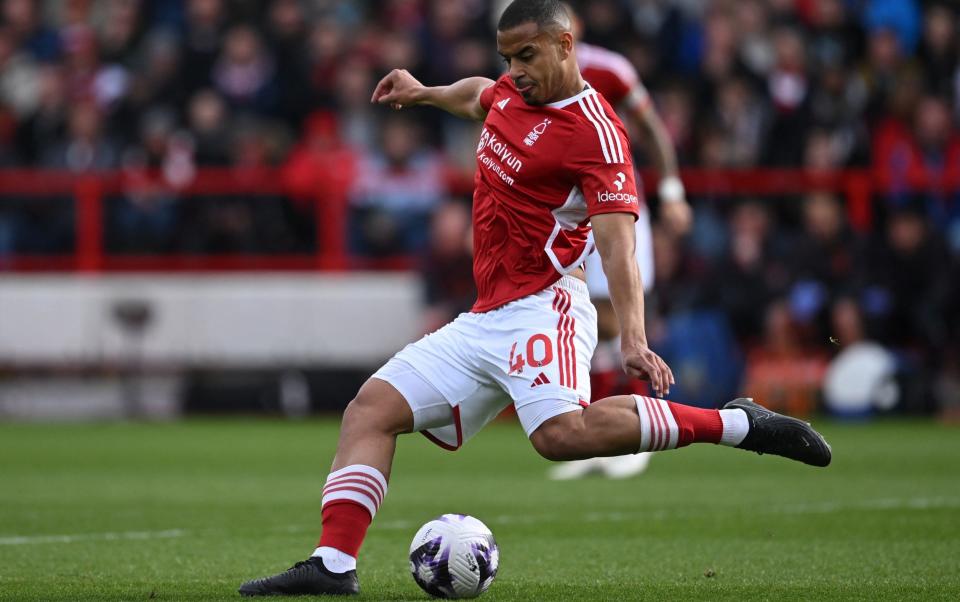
(454,556)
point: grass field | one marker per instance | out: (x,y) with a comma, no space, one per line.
(187,511)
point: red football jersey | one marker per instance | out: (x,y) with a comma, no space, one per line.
(612,75)
(542,172)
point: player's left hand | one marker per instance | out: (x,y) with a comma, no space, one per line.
(677,216)
(641,362)
(397,89)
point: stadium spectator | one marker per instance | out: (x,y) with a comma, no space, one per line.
(120,31)
(834,38)
(244,73)
(396,190)
(904,277)
(33,35)
(156,79)
(756,48)
(19,88)
(788,87)
(320,170)
(923,155)
(678,113)
(358,120)
(85,147)
(448,266)
(680,275)
(938,49)
(742,121)
(287,31)
(47,122)
(447,24)
(782,370)
(898,17)
(884,71)
(718,59)
(753,272)
(205,25)
(325,55)
(823,260)
(209,120)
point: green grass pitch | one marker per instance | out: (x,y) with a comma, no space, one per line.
(189,510)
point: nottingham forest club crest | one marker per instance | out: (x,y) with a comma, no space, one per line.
(536,132)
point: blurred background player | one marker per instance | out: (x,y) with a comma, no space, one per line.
(613,75)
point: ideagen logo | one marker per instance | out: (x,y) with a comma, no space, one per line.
(610,197)
(620,180)
(619,196)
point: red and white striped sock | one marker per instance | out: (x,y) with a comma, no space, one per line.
(668,425)
(351,499)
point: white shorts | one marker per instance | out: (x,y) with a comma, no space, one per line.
(534,351)
(597,280)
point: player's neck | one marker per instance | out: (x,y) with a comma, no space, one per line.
(573,85)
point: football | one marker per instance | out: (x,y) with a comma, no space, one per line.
(454,556)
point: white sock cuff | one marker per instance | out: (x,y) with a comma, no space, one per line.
(735,426)
(357,483)
(334,560)
(370,471)
(658,427)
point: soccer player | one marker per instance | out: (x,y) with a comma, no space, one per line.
(552,162)
(612,75)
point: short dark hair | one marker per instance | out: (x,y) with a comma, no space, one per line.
(544,13)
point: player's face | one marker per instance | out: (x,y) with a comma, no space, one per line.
(535,60)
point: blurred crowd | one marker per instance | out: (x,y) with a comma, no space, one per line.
(161,88)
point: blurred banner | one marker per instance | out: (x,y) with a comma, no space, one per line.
(207,321)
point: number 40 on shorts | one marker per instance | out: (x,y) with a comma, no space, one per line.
(534,355)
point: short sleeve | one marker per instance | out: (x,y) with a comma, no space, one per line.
(610,188)
(600,156)
(486,97)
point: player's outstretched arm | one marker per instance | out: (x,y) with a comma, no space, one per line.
(615,237)
(400,89)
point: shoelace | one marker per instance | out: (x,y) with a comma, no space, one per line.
(300,564)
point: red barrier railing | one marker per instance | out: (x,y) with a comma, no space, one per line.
(89,190)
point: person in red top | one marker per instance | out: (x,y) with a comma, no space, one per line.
(612,75)
(553,164)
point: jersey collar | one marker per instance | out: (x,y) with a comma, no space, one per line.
(587,91)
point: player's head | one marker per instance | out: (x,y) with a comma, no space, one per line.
(535,39)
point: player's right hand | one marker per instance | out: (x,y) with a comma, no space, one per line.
(641,362)
(397,89)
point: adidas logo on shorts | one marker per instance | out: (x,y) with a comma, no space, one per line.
(541,379)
